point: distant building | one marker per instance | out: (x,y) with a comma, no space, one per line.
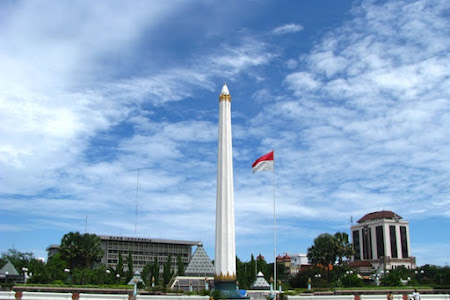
(299,262)
(143,251)
(381,241)
(52,250)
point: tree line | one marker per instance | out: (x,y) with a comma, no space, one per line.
(78,262)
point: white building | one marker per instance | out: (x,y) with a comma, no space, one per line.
(381,241)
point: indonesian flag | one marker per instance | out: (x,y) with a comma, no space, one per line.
(264,163)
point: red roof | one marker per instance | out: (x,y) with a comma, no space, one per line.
(360,263)
(384,214)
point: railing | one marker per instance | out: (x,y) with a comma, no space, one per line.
(46,296)
(161,297)
(103,296)
(369,297)
(432,297)
(7,295)
(322,297)
(380,297)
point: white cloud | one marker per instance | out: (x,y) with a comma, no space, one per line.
(287,28)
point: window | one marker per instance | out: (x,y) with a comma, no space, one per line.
(367,243)
(404,240)
(356,245)
(393,238)
(380,241)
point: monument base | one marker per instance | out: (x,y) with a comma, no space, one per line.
(228,290)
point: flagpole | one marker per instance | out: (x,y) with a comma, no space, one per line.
(274,231)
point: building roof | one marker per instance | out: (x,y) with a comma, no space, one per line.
(200,264)
(377,215)
(146,240)
(260,283)
(9,269)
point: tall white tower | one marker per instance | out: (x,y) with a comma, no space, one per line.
(225,254)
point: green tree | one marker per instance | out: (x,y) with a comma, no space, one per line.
(155,272)
(352,280)
(180,266)
(17,258)
(55,268)
(343,246)
(323,252)
(146,274)
(130,267)
(241,274)
(167,273)
(119,267)
(81,250)
(39,270)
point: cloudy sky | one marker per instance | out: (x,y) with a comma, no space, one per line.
(111,107)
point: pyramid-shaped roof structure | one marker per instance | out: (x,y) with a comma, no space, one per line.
(260,283)
(200,264)
(9,269)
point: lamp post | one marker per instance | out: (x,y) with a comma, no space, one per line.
(24,270)
(107,276)
(271,288)
(67,271)
(118,278)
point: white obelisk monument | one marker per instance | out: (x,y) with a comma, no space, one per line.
(225,255)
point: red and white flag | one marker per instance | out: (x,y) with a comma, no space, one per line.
(264,163)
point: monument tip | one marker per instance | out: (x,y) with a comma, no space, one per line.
(225,90)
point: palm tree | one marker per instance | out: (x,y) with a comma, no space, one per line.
(81,250)
(343,246)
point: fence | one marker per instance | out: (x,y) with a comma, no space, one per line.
(160,297)
(380,297)
(322,297)
(45,296)
(7,295)
(369,297)
(103,296)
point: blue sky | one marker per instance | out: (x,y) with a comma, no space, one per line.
(352,95)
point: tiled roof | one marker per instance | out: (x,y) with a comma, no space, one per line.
(384,214)
(260,283)
(9,269)
(200,264)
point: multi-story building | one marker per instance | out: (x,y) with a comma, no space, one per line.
(381,241)
(144,251)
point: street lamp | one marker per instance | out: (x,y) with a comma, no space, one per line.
(67,271)
(24,270)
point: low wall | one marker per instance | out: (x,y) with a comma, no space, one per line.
(369,297)
(7,295)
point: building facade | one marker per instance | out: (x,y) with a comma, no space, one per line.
(381,241)
(144,251)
